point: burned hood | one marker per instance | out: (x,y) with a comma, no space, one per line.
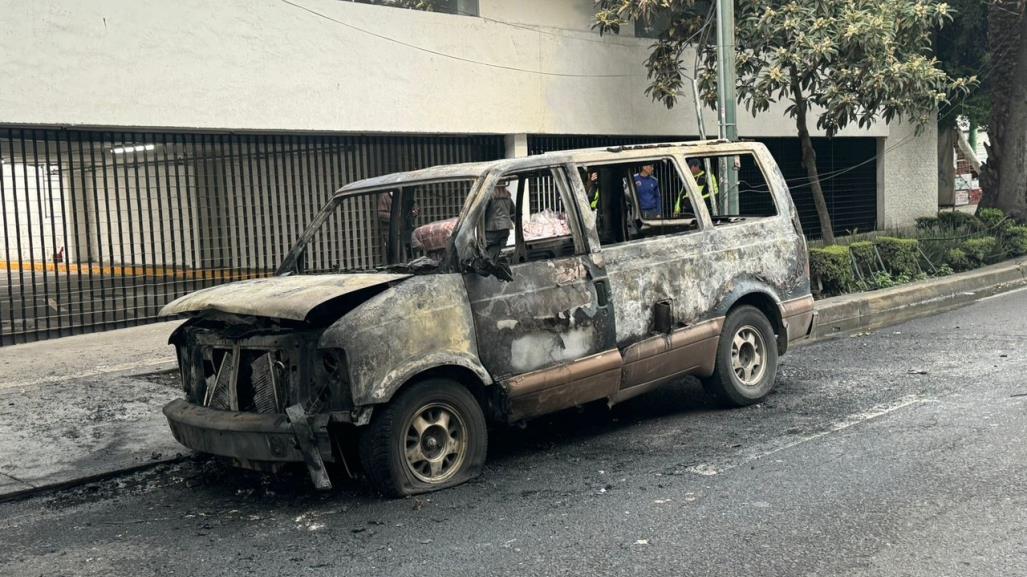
(282,297)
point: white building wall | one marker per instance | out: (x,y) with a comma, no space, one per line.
(907,175)
(267,65)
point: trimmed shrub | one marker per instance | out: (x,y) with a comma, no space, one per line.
(957,260)
(864,256)
(923,222)
(993,218)
(901,256)
(981,251)
(956,219)
(1014,240)
(833,267)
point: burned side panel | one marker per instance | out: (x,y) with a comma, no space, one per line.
(422,323)
(667,269)
(765,256)
(548,314)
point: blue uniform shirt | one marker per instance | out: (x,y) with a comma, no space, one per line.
(648,194)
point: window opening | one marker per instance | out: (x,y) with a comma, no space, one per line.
(638,199)
(731,197)
(528,218)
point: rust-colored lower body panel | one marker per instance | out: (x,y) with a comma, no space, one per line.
(554,388)
(797,315)
(690,350)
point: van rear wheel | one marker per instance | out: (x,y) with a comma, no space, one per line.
(746,365)
(430,436)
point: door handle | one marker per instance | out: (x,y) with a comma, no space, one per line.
(602,292)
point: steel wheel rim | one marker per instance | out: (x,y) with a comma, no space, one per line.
(435,442)
(748,356)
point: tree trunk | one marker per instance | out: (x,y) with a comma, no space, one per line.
(1004,176)
(946,168)
(809,160)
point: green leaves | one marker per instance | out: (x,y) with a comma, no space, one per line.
(856,60)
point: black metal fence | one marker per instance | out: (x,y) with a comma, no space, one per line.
(848,168)
(101,229)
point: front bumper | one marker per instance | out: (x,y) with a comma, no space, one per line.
(249,438)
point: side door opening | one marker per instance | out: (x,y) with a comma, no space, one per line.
(547,335)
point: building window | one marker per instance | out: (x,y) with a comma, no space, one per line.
(461,7)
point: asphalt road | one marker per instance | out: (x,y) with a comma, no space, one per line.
(902,452)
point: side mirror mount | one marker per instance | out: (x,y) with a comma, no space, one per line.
(487,267)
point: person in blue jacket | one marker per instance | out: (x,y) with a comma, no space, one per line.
(648,189)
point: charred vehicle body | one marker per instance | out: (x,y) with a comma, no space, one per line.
(419,306)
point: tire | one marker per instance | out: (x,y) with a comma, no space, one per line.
(444,427)
(752,377)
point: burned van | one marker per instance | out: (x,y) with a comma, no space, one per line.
(419,307)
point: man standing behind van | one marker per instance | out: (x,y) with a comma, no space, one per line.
(648,190)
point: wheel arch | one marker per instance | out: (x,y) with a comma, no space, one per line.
(765,301)
(456,367)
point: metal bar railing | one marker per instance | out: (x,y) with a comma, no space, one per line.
(102,228)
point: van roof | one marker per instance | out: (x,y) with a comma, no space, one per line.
(472,170)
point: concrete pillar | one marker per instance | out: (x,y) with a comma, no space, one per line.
(516,145)
(907,175)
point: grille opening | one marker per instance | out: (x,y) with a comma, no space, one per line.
(261,382)
(248,380)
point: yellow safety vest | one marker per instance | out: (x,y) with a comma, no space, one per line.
(714,190)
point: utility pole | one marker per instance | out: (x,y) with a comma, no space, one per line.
(727,102)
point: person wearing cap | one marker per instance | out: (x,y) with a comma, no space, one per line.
(648,189)
(708,188)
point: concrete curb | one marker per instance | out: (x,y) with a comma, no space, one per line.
(847,314)
(38,490)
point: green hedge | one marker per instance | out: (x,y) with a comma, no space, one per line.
(951,241)
(1014,240)
(864,255)
(957,260)
(833,267)
(993,218)
(982,251)
(958,219)
(901,256)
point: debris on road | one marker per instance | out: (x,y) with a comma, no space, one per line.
(703,469)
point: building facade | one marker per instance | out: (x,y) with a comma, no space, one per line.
(150,148)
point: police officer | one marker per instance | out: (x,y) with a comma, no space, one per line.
(708,188)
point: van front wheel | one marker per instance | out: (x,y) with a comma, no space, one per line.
(430,436)
(746,365)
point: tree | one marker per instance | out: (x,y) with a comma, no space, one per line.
(856,61)
(1004,176)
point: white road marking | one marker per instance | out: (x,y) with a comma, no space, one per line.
(851,421)
(1002,294)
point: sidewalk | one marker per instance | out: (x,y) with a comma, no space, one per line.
(73,408)
(76,408)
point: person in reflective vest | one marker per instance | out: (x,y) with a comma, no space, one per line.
(708,188)
(592,190)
